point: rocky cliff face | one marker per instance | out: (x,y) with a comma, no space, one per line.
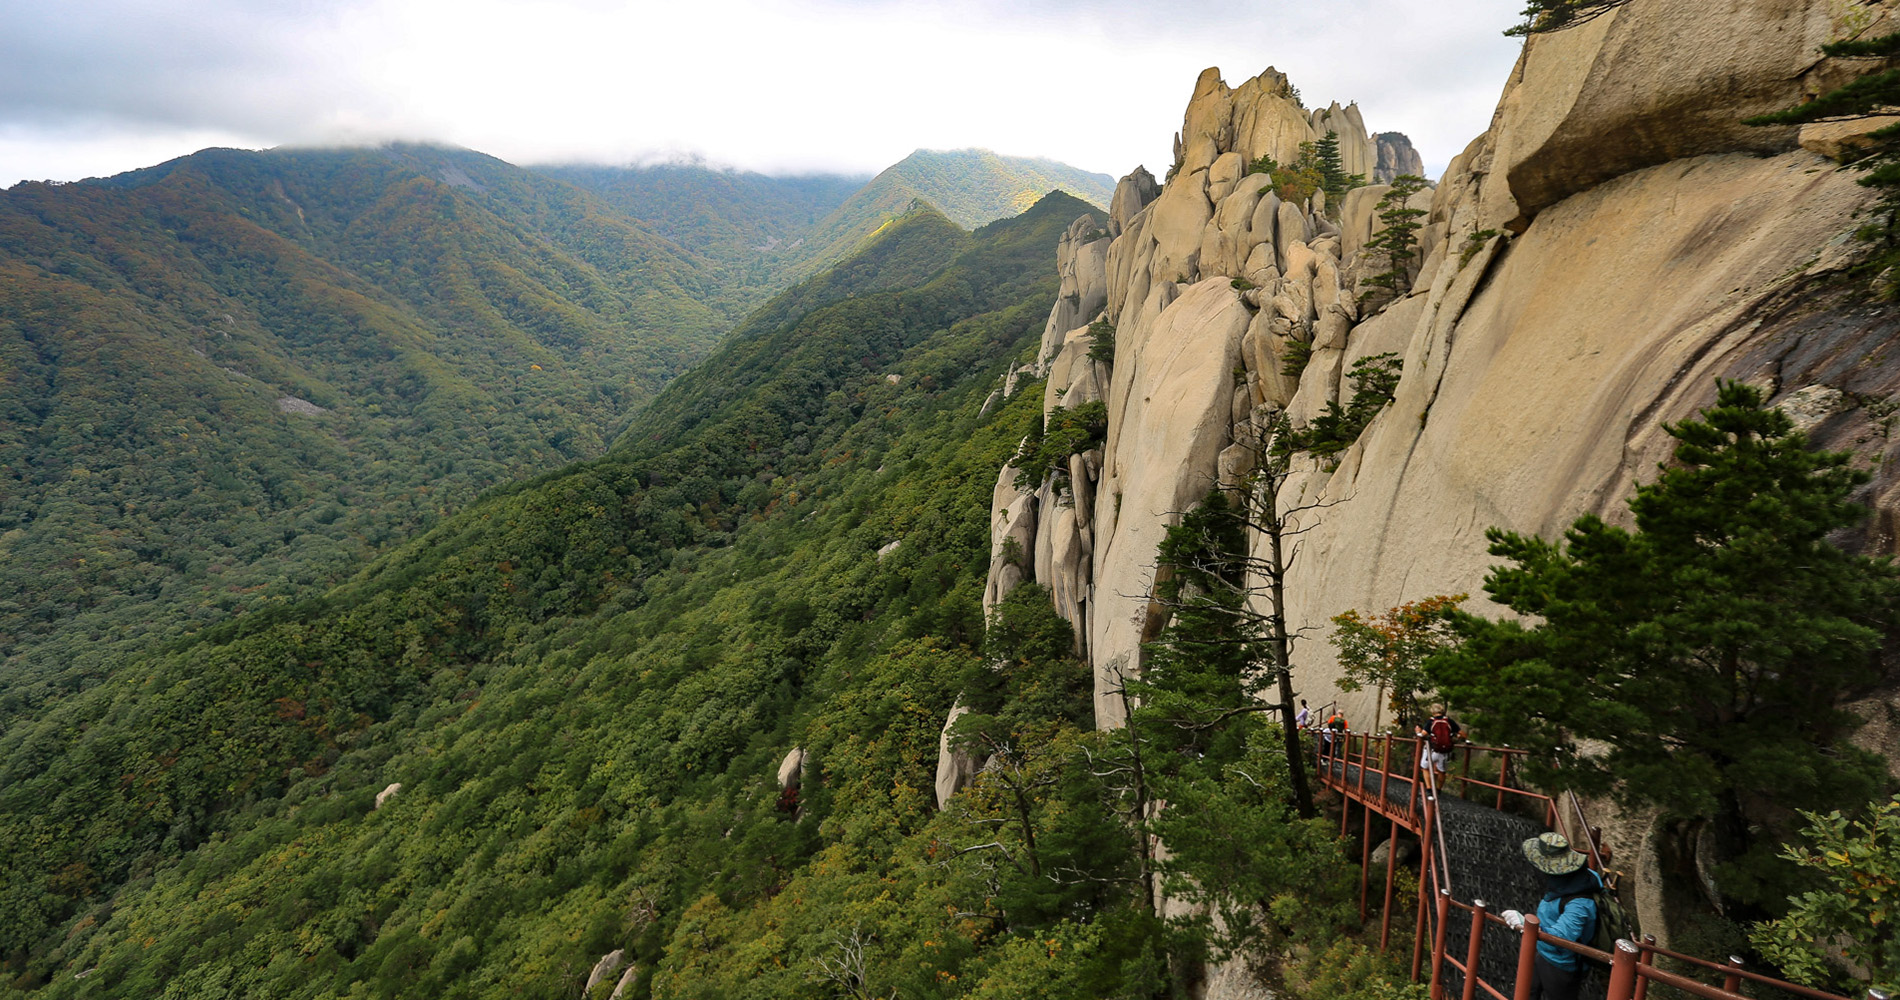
(1163,270)
(1612,244)
(1395,156)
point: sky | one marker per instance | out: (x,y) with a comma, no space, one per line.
(95,87)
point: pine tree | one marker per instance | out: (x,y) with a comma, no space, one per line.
(1201,669)
(1333,178)
(1704,656)
(1551,15)
(1375,381)
(1879,156)
(1222,580)
(1397,243)
(1239,823)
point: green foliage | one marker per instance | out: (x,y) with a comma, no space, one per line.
(1348,969)
(1102,342)
(1389,651)
(1295,357)
(1024,628)
(1705,654)
(1264,164)
(1474,242)
(1237,845)
(1397,243)
(1297,181)
(1121,957)
(1334,179)
(1317,169)
(1067,431)
(1854,916)
(1553,15)
(1032,674)
(1374,380)
(1235,840)
(1878,153)
(1035,836)
(154,327)
(585,684)
(1201,666)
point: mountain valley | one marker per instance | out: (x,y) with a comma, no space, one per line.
(424,576)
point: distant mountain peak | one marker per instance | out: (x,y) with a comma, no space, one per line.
(971,187)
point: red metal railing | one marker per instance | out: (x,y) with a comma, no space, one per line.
(1396,758)
(1632,966)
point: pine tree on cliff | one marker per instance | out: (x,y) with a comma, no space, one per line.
(1333,178)
(1551,15)
(1699,662)
(1397,243)
(1239,821)
(1221,574)
(1879,152)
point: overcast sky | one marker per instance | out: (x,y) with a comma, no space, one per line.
(94,87)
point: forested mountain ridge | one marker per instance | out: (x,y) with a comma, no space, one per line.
(237,373)
(971,186)
(232,375)
(762,229)
(916,246)
(584,684)
(752,227)
(775,696)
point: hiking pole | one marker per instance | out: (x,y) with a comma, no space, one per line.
(1583,827)
(1438,823)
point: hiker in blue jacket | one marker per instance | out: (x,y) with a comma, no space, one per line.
(1568,910)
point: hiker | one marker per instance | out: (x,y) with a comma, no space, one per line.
(1440,732)
(1568,910)
(1305,718)
(1332,735)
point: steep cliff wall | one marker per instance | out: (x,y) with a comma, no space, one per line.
(1632,243)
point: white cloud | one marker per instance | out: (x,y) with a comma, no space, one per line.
(768,84)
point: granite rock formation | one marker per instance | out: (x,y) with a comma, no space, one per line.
(1612,244)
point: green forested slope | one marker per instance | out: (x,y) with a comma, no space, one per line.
(751,226)
(772,343)
(229,377)
(584,684)
(971,186)
(759,229)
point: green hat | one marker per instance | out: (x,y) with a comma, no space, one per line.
(1551,854)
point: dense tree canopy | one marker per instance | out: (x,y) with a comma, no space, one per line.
(227,380)
(1699,661)
(584,683)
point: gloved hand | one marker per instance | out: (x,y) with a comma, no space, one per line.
(1513,919)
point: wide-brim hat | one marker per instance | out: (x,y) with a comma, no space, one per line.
(1550,853)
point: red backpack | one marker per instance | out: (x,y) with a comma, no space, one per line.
(1440,734)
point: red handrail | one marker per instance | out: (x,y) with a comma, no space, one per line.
(1639,958)
(1632,965)
(1352,749)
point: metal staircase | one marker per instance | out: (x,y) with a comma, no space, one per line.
(1470,835)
